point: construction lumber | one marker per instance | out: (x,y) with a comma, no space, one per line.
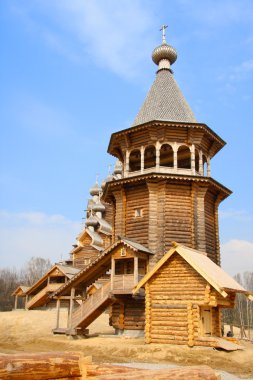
(43,366)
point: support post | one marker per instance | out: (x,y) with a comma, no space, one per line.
(136,270)
(142,159)
(16,302)
(71,306)
(175,157)
(193,159)
(208,167)
(157,162)
(26,300)
(127,163)
(58,312)
(112,273)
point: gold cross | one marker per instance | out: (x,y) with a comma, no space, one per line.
(164,34)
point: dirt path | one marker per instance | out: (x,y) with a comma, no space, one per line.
(30,331)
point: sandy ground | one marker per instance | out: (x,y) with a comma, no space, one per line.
(30,331)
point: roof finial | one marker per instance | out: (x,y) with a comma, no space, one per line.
(109,169)
(164,34)
(97,175)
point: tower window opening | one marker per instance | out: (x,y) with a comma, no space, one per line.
(184,157)
(166,156)
(135,161)
(204,166)
(196,160)
(149,157)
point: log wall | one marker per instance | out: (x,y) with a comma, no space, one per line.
(86,255)
(210,225)
(137,197)
(174,296)
(129,314)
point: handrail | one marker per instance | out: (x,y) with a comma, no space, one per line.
(91,303)
(41,293)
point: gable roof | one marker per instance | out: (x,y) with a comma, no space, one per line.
(165,101)
(211,272)
(66,270)
(22,289)
(86,272)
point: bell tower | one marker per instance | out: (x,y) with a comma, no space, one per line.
(166,192)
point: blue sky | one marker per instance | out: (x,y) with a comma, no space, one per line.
(73,72)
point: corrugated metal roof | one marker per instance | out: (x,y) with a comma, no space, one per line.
(165,102)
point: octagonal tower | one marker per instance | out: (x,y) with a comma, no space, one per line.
(166,192)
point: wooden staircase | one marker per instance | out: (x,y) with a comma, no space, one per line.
(90,309)
(41,297)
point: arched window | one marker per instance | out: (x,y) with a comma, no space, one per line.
(196,160)
(166,156)
(135,161)
(184,157)
(149,157)
(204,165)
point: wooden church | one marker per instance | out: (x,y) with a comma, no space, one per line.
(161,191)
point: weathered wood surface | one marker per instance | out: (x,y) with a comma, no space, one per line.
(181,373)
(43,366)
(74,366)
(174,298)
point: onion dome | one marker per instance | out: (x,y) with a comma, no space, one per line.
(91,221)
(98,207)
(118,167)
(164,55)
(95,190)
(164,51)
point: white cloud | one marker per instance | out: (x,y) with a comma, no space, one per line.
(237,256)
(28,234)
(114,34)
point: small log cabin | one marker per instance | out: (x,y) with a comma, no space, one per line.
(161,191)
(184,295)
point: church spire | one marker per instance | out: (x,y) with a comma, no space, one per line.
(164,55)
(164,100)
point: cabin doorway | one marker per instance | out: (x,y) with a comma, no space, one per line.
(206,321)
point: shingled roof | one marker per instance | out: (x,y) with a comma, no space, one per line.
(165,102)
(212,273)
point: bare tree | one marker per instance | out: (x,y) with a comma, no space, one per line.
(34,269)
(9,281)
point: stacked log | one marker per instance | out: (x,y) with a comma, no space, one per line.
(73,366)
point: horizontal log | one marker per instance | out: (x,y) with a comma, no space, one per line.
(40,366)
(194,373)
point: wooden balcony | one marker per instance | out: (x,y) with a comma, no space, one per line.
(124,283)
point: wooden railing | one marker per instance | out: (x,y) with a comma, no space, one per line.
(124,282)
(49,288)
(91,304)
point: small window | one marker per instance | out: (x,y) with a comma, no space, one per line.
(123,251)
(138,213)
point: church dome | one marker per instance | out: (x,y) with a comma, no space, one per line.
(164,51)
(95,190)
(91,221)
(98,207)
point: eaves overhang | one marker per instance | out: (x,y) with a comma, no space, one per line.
(225,192)
(115,136)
